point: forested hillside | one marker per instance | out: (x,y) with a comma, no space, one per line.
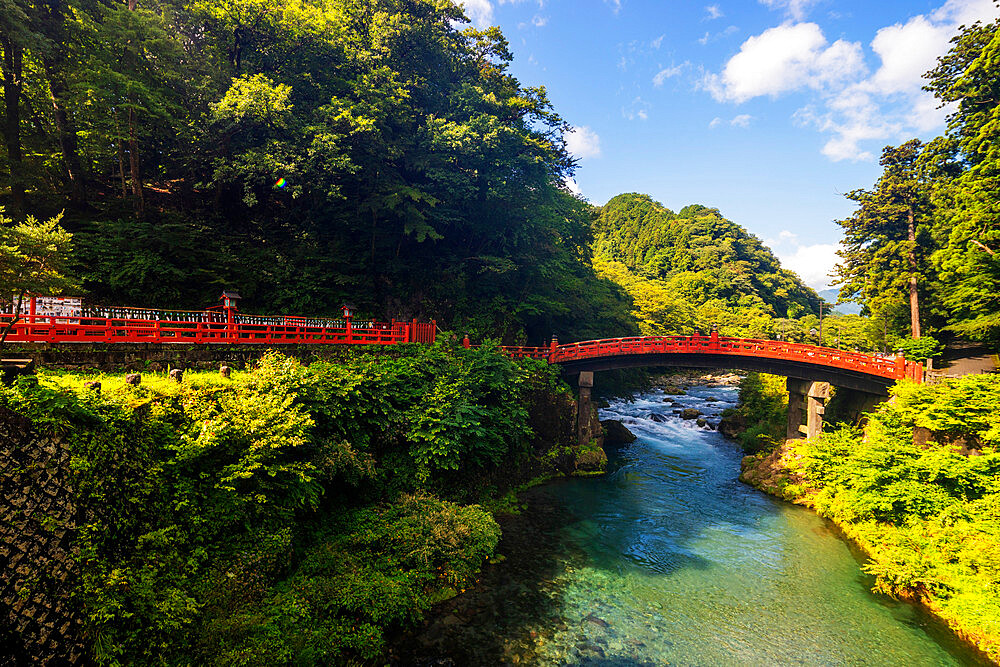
(303,153)
(694,268)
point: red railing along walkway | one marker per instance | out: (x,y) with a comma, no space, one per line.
(225,326)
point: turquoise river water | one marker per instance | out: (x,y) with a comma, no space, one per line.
(669,559)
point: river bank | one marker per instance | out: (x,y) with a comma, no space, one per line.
(668,558)
(921,510)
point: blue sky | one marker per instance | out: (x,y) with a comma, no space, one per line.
(769,110)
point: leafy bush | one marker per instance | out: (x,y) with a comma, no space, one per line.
(369,570)
(285,514)
(764,407)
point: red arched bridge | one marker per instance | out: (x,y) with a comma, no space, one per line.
(852,370)
(52,323)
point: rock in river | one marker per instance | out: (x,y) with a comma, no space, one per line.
(615,433)
(690,413)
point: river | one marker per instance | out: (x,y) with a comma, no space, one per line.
(669,559)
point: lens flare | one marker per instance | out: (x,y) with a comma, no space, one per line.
(280,183)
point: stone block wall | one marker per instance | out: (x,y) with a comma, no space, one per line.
(38,520)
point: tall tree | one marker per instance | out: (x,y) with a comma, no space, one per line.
(968,261)
(15,37)
(882,254)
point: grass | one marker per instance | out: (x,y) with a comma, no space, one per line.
(159,383)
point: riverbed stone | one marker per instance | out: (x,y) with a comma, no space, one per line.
(690,413)
(616,433)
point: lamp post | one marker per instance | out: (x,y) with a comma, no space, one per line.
(821,322)
(348,310)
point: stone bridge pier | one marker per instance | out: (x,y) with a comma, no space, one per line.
(584,431)
(806,406)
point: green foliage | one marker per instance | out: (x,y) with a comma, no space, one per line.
(927,514)
(694,269)
(285,514)
(34,255)
(311,152)
(919,349)
(764,408)
(931,218)
(369,570)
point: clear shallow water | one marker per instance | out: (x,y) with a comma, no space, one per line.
(677,562)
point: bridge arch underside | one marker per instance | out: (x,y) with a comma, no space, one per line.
(848,379)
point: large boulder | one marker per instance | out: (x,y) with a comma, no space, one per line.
(690,413)
(616,433)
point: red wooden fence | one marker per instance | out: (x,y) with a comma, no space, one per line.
(129,325)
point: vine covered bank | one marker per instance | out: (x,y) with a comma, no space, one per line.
(918,489)
(290,514)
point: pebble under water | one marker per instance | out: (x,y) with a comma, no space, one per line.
(670,560)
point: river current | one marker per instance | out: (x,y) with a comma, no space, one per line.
(669,559)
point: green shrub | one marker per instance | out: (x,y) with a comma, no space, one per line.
(287,513)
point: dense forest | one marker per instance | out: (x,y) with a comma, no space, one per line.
(694,269)
(303,153)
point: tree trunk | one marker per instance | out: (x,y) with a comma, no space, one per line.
(13,82)
(911,230)
(67,135)
(133,163)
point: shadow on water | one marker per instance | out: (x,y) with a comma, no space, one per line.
(515,603)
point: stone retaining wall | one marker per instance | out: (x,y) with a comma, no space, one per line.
(38,521)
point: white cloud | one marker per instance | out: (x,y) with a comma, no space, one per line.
(713,12)
(782,59)
(742,120)
(616,5)
(709,37)
(539,21)
(907,51)
(667,73)
(480,12)
(638,109)
(814,263)
(794,8)
(856,109)
(583,143)
(658,42)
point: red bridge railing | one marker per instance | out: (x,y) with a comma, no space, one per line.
(225,325)
(895,368)
(211,326)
